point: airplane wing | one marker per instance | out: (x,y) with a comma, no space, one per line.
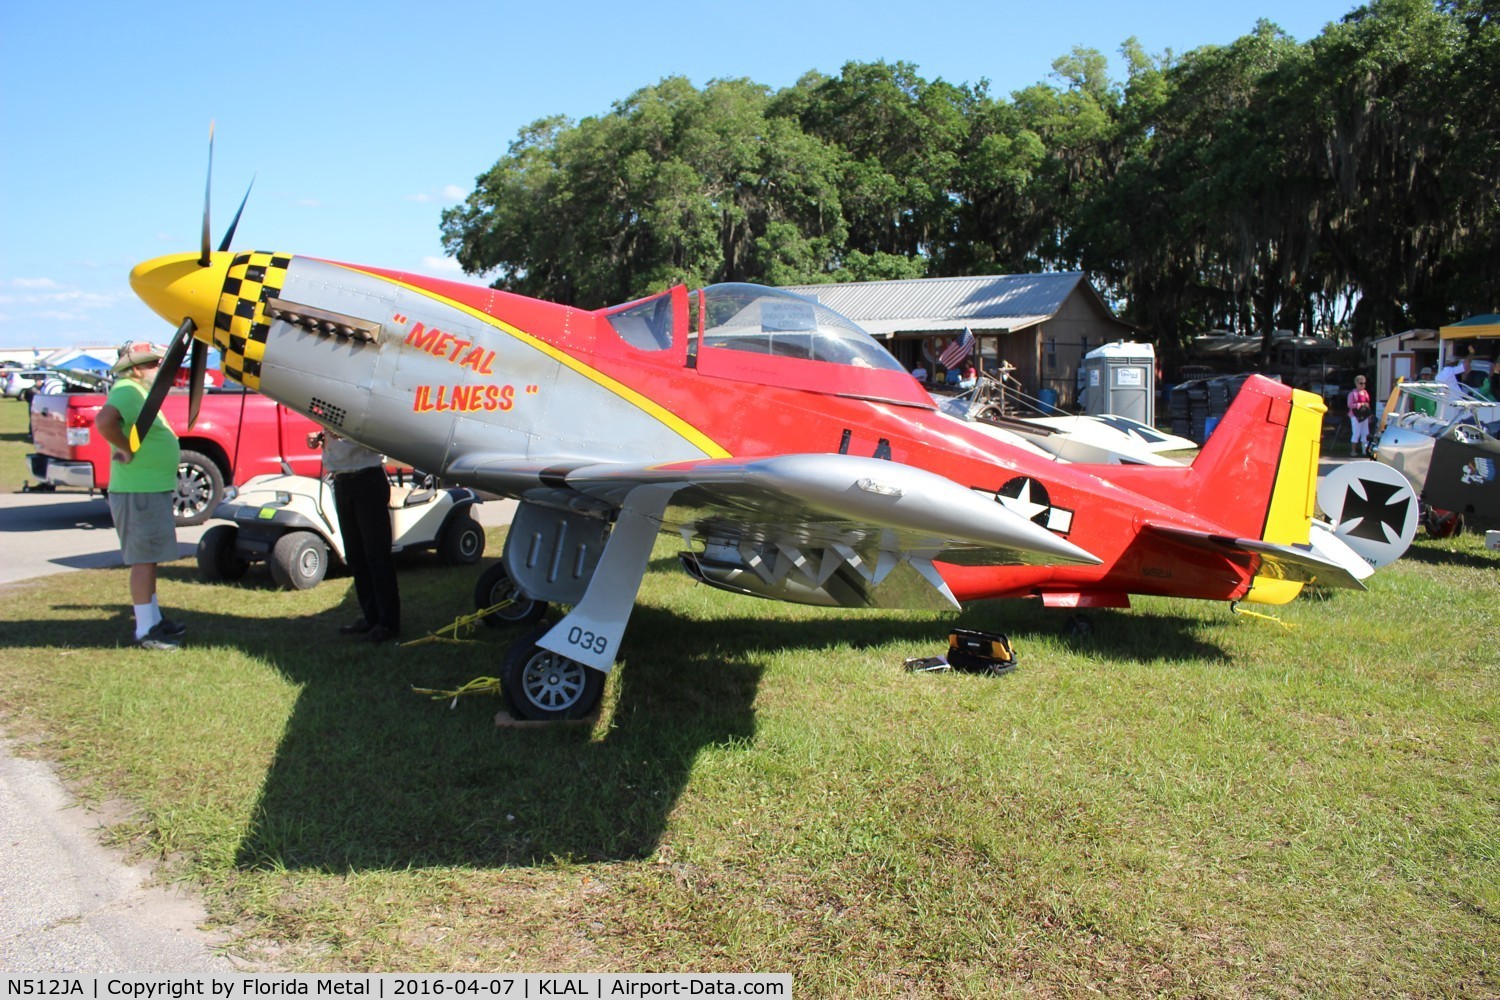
(812,528)
(1296,563)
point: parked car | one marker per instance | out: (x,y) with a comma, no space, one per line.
(23,383)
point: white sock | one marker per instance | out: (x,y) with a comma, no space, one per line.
(146,617)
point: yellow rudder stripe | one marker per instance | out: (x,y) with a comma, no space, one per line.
(1294,496)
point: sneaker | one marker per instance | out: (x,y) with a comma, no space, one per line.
(158,640)
(357,627)
(171,629)
(379,633)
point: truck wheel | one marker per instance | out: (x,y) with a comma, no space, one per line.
(299,560)
(496,587)
(219,559)
(461,542)
(200,487)
(541,685)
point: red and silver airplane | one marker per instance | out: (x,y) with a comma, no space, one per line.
(793,455)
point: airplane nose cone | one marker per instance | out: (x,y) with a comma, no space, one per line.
(178,286)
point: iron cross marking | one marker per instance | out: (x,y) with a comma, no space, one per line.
(1378,518)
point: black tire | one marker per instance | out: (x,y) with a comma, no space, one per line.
(200,487)
(299,560)
(219,559)
(494,587)
(542,686)
(461,542)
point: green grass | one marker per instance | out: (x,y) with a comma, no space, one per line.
(1185,802)
(14,425)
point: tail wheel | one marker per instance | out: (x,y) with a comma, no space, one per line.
(496,587)
(541,685)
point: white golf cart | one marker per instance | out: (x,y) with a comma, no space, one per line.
(289,522)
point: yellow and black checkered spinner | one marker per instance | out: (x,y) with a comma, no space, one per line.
(242,322)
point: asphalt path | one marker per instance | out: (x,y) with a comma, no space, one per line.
(69,905)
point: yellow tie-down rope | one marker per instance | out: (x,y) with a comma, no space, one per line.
(479,685)
(1234,606)
(465,624)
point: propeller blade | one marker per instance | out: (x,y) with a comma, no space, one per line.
(208,188)
(165,376)
(229,236)
(197,372)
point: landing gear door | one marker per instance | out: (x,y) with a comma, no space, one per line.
(551,553)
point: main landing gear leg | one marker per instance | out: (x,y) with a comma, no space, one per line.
(559,674)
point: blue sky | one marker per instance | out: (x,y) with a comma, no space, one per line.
(360,122)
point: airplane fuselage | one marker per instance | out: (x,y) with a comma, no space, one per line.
(432,372)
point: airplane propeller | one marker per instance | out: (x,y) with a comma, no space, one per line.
(171,364)
(165,376)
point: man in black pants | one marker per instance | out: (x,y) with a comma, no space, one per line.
(362,496)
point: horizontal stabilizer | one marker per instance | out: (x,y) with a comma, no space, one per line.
(1294,563)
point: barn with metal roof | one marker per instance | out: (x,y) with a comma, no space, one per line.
(1042,324)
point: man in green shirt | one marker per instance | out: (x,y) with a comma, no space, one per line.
(141,486)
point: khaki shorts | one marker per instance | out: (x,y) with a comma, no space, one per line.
(148,534)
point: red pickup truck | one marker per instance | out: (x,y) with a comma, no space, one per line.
(239,434)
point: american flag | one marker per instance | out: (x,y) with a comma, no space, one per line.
(958,350)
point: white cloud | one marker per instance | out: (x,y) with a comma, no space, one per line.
(448,193)
(441,265)
(39,293)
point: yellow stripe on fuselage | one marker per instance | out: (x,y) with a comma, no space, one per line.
(687,431)
(1294,497)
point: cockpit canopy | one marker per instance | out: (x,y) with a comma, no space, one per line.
(752,333)
(764,320)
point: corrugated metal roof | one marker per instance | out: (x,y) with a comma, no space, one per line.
(996,303)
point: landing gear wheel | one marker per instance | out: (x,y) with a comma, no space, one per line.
(494,587)
(461,541)
(219,559)
(542,685)
(299,560)
(200,487)
(1078,626)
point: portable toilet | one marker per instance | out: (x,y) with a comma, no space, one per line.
(1120,378)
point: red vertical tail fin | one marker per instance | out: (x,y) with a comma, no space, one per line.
(1256,476)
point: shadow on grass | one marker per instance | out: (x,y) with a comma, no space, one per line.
(369,775)
(1434,555)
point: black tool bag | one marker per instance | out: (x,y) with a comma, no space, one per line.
(980,652)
